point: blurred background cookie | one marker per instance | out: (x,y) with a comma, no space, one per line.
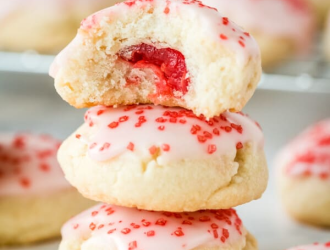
(44,26)
(326,44)
(304,179)
(315,246)
(282,28)
(35,199)
(321,8)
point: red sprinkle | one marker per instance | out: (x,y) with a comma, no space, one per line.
(166,147)
(161,128)
(239,145)
(202,139)
(151,233)
(132,245)
(113,125)
(44,167)
(225,21)
(26,183)
(204,219)
(123,118)
(187,222)
(153,150)
(92,226)
(130,146)
(111,231)
(225,233)
(178,232)
(167,10)
(211,149)
(161,222)
(100,112)
(78,136)
(146,223)
(223,37)
(126,231)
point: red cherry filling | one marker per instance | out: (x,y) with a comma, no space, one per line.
(168,65)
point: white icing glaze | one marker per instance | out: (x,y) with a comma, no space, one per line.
(172,132)
(315,246)
(120,228)
(215,27)
(309,153)
(283,18)
(28,165)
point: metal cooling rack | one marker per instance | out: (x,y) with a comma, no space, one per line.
(307,75)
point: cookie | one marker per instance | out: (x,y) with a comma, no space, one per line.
(117,228)
(35,198)
(304,179)
(165,159)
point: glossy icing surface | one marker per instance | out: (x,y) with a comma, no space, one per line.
(309,153)
(168,133)
(113,227)
(28,165)
(285,18)
(215,27)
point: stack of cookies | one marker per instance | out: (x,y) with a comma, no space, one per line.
(168,175)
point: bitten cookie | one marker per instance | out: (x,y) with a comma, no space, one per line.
(35,199)
(282,28)
(116,228)
(173,53)
(305,175)
(315,246)
(165,159)
(44,26)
